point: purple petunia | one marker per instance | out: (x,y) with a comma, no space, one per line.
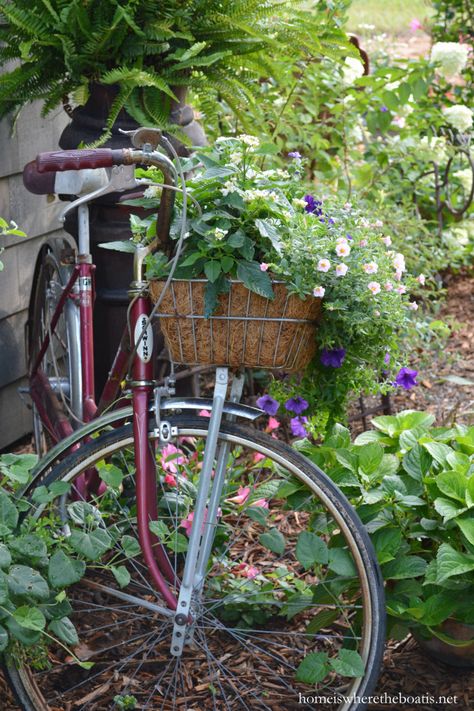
(350,237)
(333,358)
(383,109)
(268,404)
(297,405)
(296,155)
(386,358)
(406,378)
(312,205)
(297,425)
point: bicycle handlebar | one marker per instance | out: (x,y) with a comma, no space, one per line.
(79,159)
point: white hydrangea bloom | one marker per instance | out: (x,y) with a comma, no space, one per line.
(465,178)
(434,148)
(352,69)
(451,57)
(459,117)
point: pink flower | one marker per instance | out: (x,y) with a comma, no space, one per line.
(415,25)
(388,286)
(370,268)
(187,523)
(363,243)
(241,496)
(343,249)
(399,121)
(204,413)
(387,241)
(169,479)
(319,292)
(324,265)
(398,275)
(341,270)
(273,424)
(257,457)
(248,571)
(171,458)
(401,289)
(374,287)
(413,306)
(261,503)
(378,223)
(421,279)
(263,267)
(399,262)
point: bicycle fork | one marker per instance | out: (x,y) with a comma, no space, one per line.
(206,512)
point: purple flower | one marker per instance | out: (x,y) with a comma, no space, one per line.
(331,221)
(297,405)
(333,358)
(406,378)
(312,205)
(386,358)
(297,425)
(295,155)
(268,404)
(349,236)
(383,109)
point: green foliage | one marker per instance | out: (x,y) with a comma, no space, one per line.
(149,49)
(412,485)
(8,229)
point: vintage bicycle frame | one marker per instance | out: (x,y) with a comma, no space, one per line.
(144,389)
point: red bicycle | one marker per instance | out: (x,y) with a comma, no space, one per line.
(222,569)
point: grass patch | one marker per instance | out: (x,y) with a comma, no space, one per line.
(393,17)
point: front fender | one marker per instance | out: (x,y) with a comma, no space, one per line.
(124,414)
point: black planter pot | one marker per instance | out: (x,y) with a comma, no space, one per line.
(110,221)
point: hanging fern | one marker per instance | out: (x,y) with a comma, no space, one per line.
(147,47)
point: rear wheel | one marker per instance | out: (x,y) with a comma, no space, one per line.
(291,607)
(61,362)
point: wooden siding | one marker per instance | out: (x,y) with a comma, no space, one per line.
(39,219)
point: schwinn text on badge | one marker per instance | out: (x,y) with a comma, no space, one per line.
(145,343)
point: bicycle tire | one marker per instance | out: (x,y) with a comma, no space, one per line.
(62,360)
(25,682)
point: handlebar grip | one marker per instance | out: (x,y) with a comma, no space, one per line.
(37,183)
(79,159)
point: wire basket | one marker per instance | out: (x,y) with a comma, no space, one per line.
(245,330)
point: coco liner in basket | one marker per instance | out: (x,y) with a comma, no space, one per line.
(245,330)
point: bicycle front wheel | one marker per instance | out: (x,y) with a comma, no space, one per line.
(290,611)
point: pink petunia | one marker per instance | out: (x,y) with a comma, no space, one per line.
(415,25)
(261,503)
(257,457)
(263,267)
(273,424)
(169,479)
(242,495)
(171,458)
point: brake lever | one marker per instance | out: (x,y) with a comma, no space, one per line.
(122,178)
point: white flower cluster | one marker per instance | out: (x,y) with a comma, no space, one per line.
(152,192)
(257,193)
(465,178)
(352,69)
(434,148)
(459,117)
(451,57)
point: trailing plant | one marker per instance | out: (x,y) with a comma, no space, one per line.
(149,48)
(413,487)
(256,225)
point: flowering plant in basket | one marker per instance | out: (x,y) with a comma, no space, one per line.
(261,225)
